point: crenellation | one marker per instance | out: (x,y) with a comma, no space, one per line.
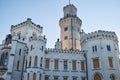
(38,38)
(99,35)
(25,23)
(76,56)
(64,51)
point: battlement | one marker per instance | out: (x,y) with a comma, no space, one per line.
(64,51)
(68,19)
(40,38)
(28,21)
(100,34)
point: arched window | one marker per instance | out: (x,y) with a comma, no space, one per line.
(18,63)
(28,76)
(30,59)
(97,77)
(4,59)
(41,62)
(19,35)
(1,59)
(95,48)
(112,77)
(35,61)
(34,76)
(40,76)
(20,52)
(42,48)
(31,47)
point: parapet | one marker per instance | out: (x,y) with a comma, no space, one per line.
(100,34)
(28,21)
(69,19)
(38,38)
(64,51)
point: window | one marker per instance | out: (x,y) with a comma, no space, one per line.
(20,52)
(35,61)
(41,62)
(108,48)
(94,48)
(56,78)
(65,78)
(46,77)
(42,48)
(65,64)
(30,59)
(18,63)
(47,63)
(34,76)
(31,47)
(74,78)
(74,65)
(110,62)
(82,65)
(28,76)
(56,64)
(97,77)
(66,28)
(4,59)
(23,39)
(40,76)
(66,37)
(112,77)
(19,34)
(82,78)
(96,63)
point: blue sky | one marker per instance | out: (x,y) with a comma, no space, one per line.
(95,15)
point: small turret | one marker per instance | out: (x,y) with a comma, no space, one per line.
(70,26)
(70,10)
(58,44)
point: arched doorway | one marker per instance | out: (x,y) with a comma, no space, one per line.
(97,77)
(112,77)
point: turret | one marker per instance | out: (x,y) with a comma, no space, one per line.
(36,56)
(24,30)
(70,26)
(58,44)
(102,56)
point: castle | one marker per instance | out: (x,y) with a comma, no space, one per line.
(76,56)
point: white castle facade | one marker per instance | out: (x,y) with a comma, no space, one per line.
(76,56)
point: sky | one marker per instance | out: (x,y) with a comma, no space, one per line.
(95,15)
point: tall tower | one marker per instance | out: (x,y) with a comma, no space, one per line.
(70,26)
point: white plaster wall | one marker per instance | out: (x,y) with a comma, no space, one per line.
(103,55)
(37,51)
(61,72)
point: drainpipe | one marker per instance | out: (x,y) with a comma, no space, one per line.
(85,55)
(72,32)
(22,68)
